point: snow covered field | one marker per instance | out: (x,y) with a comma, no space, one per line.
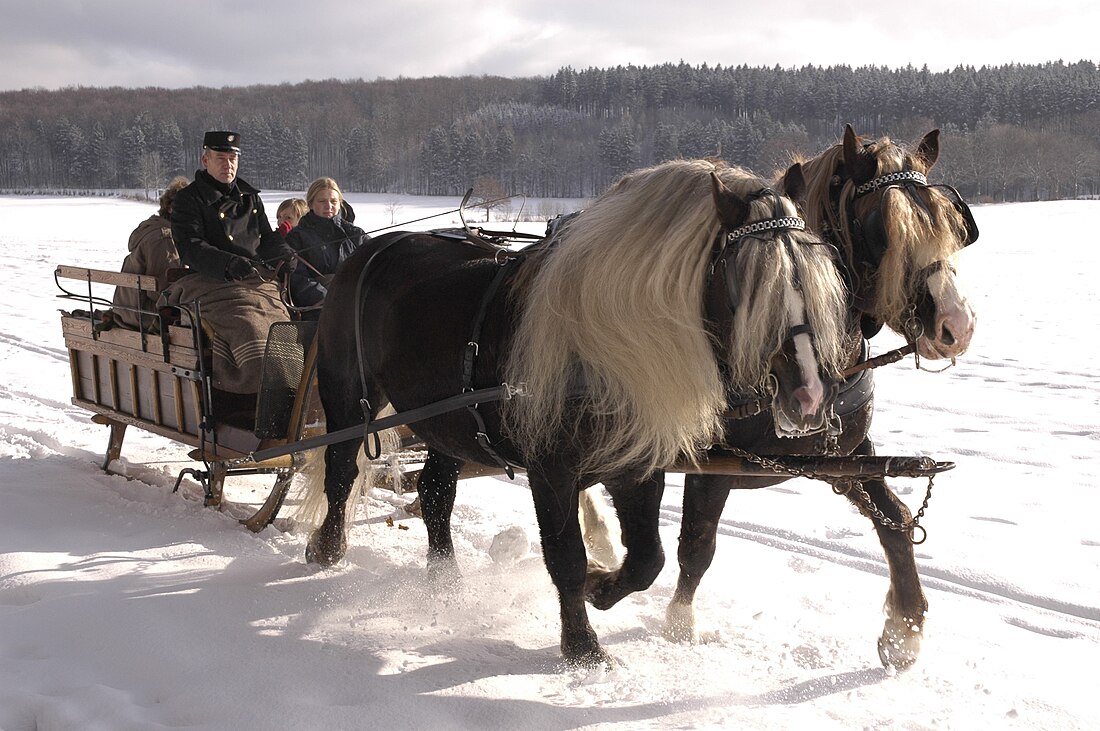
(124,606)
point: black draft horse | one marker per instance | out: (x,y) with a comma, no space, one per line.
(897,236)
(624,334)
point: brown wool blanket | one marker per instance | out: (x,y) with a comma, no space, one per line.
(240,315)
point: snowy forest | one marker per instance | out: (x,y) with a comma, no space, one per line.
(1015,132)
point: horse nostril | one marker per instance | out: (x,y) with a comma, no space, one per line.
(947,337)
(808,401)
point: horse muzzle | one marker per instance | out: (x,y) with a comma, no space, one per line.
(804,410)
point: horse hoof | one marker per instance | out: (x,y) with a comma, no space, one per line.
(443,573)
(899,645)
(601,588)
(325,551)
(598,659)
(680,623)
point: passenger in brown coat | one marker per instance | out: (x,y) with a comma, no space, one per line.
(153,253)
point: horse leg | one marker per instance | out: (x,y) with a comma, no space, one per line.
(328,543)
(563,552)
(906,604)
(436,487)
(638,507)
(704,498)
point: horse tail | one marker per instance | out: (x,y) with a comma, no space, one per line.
(594,515)
(312,503)
(382,472)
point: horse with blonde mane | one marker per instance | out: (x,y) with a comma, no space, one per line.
(623,336)
(898,238)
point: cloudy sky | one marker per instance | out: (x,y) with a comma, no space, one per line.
(57,43)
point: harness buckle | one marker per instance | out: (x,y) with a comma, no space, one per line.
(510,391)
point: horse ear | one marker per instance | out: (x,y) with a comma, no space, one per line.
(794,183)
(850,148)
(860,165)
(732,209)
(929,148)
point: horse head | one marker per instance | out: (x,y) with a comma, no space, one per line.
(900,236)
(782,303)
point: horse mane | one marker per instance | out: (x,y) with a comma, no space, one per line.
(617,306)
(818,211)
(916,239)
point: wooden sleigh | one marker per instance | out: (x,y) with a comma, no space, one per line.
(159,382)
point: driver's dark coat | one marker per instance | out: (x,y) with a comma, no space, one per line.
(212,222)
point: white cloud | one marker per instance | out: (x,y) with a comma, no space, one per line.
(128,43)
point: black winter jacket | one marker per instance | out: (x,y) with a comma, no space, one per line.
(212,222)
(322,244)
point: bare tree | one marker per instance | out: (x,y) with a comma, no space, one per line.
(488,194)
(149,172)
(393,205)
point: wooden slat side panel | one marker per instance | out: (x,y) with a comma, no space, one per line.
(157,396)
(151,395)
(192,404)
(181,336)
(102,276)
(126,344)
(179,357)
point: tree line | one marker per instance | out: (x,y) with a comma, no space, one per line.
(1013,132)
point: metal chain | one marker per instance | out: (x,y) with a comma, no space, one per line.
(775,465)
(833,430)
(845,485)
(914,330)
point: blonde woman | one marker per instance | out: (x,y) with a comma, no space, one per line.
(323,239)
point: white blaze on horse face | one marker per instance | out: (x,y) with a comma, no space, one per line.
(955,319)
(812,392)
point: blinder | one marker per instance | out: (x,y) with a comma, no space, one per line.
(960,205)
(872,229)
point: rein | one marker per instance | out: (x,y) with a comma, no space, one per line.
(359,349)
(478,237)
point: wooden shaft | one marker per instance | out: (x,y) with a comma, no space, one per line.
(839,467)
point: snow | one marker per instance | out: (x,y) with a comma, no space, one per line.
(124,605)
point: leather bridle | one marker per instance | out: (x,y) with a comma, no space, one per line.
(725,245)
(868,233)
